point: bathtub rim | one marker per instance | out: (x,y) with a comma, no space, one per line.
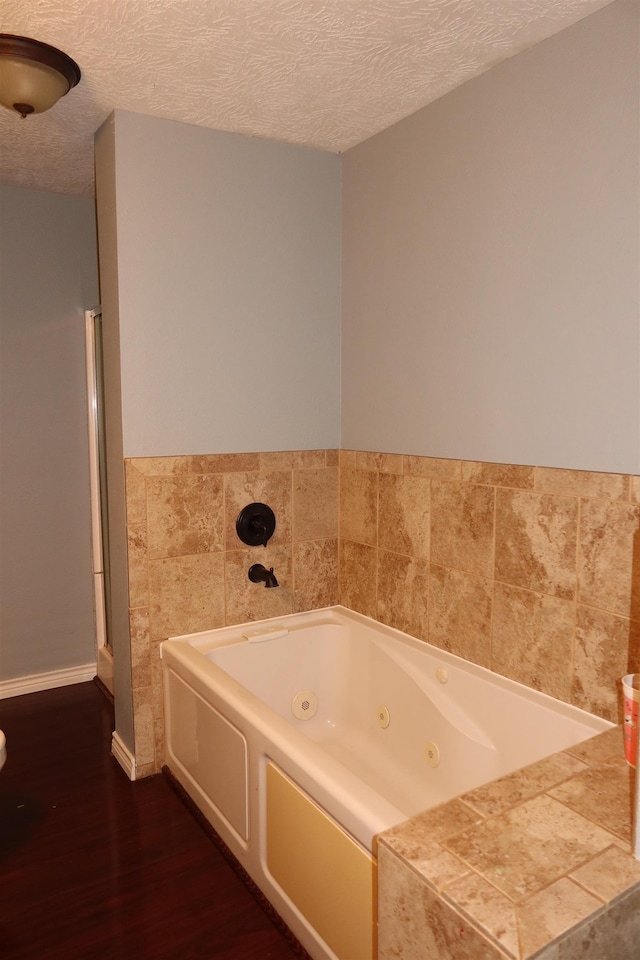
(235,633)
(354,804)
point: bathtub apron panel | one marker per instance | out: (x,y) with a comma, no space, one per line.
(328,876)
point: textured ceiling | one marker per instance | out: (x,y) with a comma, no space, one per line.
(326,73)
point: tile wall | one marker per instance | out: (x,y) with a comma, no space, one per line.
(188,568)
(531,571)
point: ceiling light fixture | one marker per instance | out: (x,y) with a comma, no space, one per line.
(33,75)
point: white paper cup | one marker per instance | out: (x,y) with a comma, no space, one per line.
(631,697)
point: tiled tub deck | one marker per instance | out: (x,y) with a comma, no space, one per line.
(537,865)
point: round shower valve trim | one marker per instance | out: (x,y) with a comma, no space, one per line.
(255,524)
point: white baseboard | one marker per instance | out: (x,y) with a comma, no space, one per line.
(105,668)
(124,756)
(47,681)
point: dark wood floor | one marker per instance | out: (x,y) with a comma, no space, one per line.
(93,866)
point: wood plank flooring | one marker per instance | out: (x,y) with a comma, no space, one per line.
(94,867)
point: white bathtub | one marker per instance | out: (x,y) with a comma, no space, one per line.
(302,738)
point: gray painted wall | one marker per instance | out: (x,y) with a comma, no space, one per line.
(220,277)
(491,263)
(229,291)
(48,276)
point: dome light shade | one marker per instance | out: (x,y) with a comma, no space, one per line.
(33,75)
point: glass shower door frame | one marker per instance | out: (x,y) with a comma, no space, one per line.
(97,478)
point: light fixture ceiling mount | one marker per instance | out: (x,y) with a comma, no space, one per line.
(33,75)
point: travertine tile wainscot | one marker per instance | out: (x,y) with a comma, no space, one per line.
(188,568)
(529,571)
(532,572)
